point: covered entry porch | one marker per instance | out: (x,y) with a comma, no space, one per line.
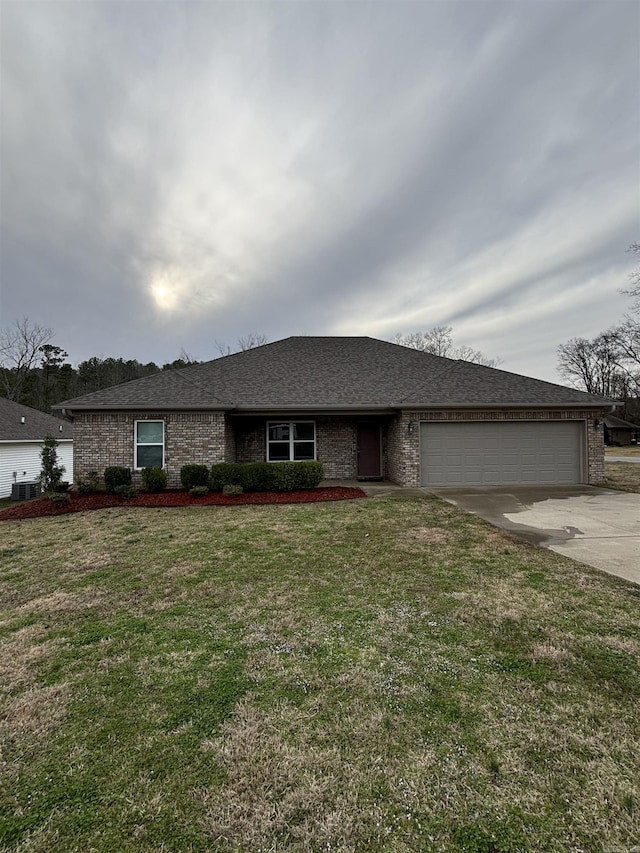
(350,447)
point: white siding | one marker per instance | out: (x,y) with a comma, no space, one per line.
(23,459)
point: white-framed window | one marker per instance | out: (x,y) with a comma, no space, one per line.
(291,441)
(149,444)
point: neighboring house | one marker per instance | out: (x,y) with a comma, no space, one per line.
(365,408)
(22,433)
(619,432)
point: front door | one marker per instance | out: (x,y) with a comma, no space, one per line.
(369,450)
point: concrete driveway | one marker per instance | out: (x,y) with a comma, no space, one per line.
(599,527)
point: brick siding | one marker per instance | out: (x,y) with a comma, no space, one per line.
(107,438)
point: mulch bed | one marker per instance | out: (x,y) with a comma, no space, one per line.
(174,497)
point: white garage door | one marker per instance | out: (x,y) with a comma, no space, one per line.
(505,453)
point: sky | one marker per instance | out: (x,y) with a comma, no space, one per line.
(175,175)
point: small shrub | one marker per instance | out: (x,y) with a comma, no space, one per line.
(126,491)
(285,476)
(63,486)
(154,479)
(116,475)
(231,490)
(310,474)
(90,484)
(224,474)
(194,475)
(198,491)
(51,473)
(258,477)
(60,498)
(290,476)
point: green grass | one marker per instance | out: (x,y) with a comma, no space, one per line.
(382,675)
(5,503)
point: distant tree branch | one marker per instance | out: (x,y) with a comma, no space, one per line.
(246,342)
(20,346)
(439,341)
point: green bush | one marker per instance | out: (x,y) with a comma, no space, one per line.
(154,479)
(198,491)
(291,476)
(194,475)
(116,475)
(126,491)
(266,476)
(90,484)
(258,477)
(223,474)
(51,473)
(309,474)
(61,498)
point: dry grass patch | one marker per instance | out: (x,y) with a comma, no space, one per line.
(624,476)
(36,711)
(21,654)
(631,450)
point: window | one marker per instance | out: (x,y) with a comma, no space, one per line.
(149,443)
(291,442)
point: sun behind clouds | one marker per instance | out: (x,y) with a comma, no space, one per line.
(165,291)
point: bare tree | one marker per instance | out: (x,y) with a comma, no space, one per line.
(439,341)
(610,363)
(634,276)
(246,342)
(625,338)
(19,352)
(251,341)
(592,366)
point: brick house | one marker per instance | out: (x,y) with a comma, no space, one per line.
(365,408)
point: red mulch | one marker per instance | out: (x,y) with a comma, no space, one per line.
(174,497)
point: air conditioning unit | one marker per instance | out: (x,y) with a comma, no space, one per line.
(25,491)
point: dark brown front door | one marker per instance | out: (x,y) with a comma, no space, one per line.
(369,450)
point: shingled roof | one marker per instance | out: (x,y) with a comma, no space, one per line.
(332,373)
(37,425)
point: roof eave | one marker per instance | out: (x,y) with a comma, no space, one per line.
(501,406)
(338,409)
(142,407)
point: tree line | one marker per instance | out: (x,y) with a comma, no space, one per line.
(609,364)
(36,373)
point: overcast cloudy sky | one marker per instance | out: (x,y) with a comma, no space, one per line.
(175,173)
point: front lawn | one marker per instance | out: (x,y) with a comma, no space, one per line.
(6,503)
(624,476)
(628,450)
(380,675)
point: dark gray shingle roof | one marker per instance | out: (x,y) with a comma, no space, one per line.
(36,424)
(611,422)
(331,373)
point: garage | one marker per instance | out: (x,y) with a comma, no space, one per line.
(497,453)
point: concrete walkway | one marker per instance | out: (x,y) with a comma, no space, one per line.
(599,527)
(635,460)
